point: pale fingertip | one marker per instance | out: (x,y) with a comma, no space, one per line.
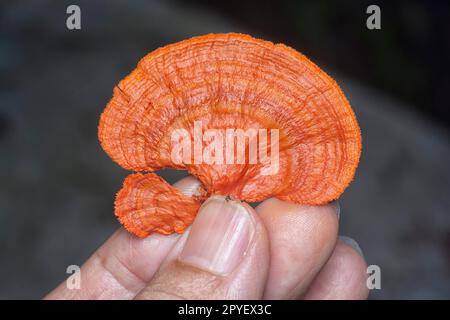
(337,208)
(352,243)
(343,277)
(189,186)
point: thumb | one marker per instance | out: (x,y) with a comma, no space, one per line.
(224,255)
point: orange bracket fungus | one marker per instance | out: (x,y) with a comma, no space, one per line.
(248,118)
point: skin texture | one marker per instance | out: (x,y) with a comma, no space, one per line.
(293,253)
(227,81)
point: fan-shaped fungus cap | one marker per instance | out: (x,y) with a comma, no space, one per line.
(227,82)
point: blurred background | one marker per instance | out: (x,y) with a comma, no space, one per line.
(57,184)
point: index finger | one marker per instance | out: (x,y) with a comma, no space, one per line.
(302,239)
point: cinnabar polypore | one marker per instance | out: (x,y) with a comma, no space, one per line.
(227,81)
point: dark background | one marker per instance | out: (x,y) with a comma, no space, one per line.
(57,184)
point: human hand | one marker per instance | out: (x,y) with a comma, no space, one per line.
(279,250)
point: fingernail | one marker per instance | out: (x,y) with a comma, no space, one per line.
(337,208)
(219,236)
(352,243)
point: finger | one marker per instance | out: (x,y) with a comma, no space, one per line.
(123,265)
(302,239)
(225,255)
(344,275)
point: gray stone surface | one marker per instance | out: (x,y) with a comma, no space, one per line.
(58,185)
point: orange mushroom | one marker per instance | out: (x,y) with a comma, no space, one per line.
(227,82)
